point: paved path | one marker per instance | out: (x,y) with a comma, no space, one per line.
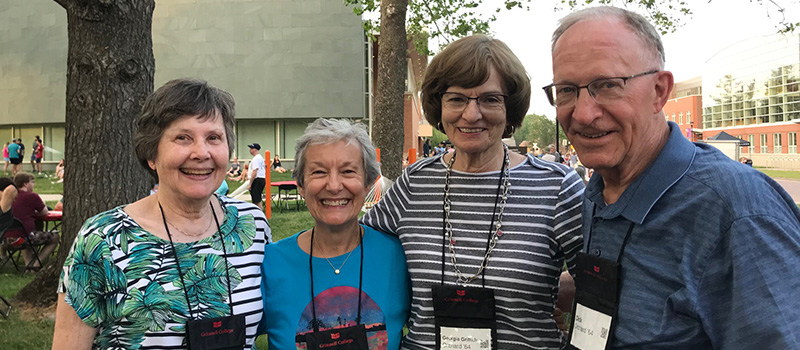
(791,186)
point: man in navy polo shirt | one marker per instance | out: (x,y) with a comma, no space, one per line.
(705,250)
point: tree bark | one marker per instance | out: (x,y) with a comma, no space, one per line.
(110,69)
(388,124)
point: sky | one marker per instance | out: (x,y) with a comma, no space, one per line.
(712,27)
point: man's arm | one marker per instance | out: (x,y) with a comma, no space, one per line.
(747,295)
(41,208)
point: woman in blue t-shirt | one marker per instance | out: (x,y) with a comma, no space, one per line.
(337,285)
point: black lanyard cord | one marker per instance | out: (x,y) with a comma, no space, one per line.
(314,321)
(178,263)
(624,240)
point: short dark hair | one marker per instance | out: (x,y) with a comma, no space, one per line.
(467,63)
(22,178)
(5,182)
(176,99)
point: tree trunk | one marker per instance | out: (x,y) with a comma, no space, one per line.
(110,69)
(388,124)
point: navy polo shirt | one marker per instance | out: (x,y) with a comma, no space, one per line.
(713,261)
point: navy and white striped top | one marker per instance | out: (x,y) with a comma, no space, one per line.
(541,230)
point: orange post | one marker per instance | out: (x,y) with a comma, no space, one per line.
(267,190)
(412,156)
(378,151)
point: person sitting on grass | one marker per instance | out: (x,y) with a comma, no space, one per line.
(235,169)
(28,207)
(60,171)
(276,165)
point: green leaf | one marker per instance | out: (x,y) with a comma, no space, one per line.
(149,310)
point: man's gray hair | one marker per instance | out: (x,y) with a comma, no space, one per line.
(327,131)
(639,25)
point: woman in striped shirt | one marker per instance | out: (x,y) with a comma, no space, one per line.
(482,220)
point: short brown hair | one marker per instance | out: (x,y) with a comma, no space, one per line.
(467,63)
(22,178)
(176,99)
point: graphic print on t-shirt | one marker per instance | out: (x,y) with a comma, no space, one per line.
(337,307)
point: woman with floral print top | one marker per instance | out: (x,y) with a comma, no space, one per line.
(144,275)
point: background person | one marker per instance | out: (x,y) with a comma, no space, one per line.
(28,207)
(14,156)
(8,192)
(526,210)
(179,255)
(60,170)
(39,156)
(336,166)
(235,169)
(710,257)
(257,176)
(6,158)
(276,164)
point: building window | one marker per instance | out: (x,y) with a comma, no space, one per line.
(680,118)
(776,143)
(673,117)
(752,140)
(688,117)
(763,143)
(792,142)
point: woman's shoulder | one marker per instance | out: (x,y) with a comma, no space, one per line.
(425,164)
(100,222)
(242,207)
(544,167)
(381,238)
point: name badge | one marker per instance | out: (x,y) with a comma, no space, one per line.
(221,333)
(464,318)
(354,337)
(596,302)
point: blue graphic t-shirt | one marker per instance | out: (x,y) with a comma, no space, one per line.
(385,294)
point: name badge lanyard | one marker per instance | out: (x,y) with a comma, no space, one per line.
(354,337)
(226,331)
(464,316)
(598,284)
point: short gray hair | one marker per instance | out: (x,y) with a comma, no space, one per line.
(177,99)
(326,131)
(638,25)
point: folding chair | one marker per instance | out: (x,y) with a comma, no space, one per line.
(14,239)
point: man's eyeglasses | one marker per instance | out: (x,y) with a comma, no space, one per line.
(602,91)
(488,103)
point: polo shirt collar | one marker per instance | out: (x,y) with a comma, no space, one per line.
(639,198)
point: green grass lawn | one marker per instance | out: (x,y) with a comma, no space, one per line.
(33,329)
(784,174)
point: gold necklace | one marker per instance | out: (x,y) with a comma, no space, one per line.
(335,270)
(190,234)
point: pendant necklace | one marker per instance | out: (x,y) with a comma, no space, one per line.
(335,270)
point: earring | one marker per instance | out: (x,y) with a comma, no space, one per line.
(512,131)
(440,127)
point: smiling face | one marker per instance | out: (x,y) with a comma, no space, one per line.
(192,158)
(334,184)
(628,131)
(473,131)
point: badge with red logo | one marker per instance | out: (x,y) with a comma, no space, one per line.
(334,335)
(597,269)
(217,324)
(461,293)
